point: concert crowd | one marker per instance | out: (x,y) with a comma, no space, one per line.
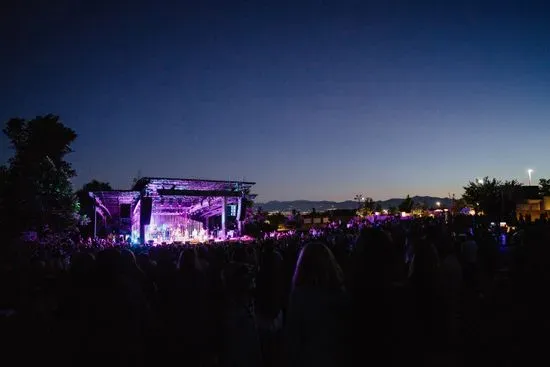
(419,291)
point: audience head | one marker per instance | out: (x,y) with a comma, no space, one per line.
(188,260)
(317,268)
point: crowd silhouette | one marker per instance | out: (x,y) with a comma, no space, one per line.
(418,292)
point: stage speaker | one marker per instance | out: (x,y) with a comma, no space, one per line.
(242,211)
(125,211)
(146,209)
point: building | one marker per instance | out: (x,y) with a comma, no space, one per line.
(166,210)
(314,220)
(533,208)
(531,205)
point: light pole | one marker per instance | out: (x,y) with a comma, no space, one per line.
(529,172)
(95,221)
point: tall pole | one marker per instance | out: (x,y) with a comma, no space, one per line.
(239,214)
(224,231)
(529,172)
(95,221)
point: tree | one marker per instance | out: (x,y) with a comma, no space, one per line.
(86,204)
(4,184)
(37,190)
(544,187)
(276,219)
(137,178)
(508,195)
(367,207)
(378,208)
(418,208)
(493,197)
(406,205)
(483,195)
(359,198)
(458,205)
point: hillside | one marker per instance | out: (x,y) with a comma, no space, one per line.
(307,205)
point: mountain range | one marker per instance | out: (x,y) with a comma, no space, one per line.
(320,206)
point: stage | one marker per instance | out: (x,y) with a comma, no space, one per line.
(169,210)
(209,241)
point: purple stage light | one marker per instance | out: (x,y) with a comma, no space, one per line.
(175,210)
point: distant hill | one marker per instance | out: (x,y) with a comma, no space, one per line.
(320,206)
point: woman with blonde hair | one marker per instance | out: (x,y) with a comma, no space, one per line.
(316,326)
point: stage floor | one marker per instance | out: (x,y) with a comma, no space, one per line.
(209,241)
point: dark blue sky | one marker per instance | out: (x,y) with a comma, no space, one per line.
(319,100)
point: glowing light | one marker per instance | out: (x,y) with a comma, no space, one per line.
(480,181)
(530,172)
(472,212)
(438,203)
(377,213)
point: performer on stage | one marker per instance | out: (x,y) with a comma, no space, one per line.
(203,236)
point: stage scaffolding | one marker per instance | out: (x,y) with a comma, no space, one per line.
(173,210)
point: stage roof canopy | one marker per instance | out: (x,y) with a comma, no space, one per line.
(200,197)
(160,183)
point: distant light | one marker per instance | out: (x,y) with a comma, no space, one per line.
(480,181)
(472,212)
(438,203)
(385,211)
(403,214)
(376,213)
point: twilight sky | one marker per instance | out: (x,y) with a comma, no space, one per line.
(319,100)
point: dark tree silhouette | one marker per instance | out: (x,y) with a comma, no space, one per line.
(4,185)
(406,205)
(37,191)
(86,208)
(137,178)
(483,195)
(367,206)
(458,205)
(544,187)
(493,197)
(418,207)
(276,219)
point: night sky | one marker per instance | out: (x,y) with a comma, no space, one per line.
(319,100)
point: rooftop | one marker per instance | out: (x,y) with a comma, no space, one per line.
(163,183)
